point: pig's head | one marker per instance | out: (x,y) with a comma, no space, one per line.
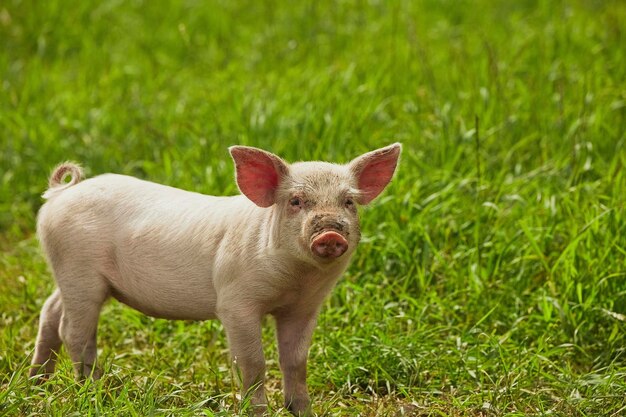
(315,202)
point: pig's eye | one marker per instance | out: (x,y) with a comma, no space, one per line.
(349,202)
(295,202)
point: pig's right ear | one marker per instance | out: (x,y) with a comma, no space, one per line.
(258,173)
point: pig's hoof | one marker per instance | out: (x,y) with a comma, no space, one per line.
(96,374)
(90,372)
(299,407)
(38,375)
(258,411)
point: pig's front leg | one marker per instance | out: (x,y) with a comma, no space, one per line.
(294,332)
(243,329)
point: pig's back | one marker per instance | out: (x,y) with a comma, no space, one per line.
(153,244)
(125,207)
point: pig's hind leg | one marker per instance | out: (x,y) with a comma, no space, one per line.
(83,296)
(48,339)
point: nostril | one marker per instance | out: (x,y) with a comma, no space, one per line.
(329,245)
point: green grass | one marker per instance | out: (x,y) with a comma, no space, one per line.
(478,292)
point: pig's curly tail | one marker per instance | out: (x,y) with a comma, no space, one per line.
(56,182)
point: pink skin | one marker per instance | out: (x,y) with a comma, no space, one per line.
(276,250)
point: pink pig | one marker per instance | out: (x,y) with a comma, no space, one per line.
(277,249)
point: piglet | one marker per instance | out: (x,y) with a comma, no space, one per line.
(277,249)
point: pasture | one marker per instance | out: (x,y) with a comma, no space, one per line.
(491,277)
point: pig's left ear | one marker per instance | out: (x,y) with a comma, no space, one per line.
(374,170)
(258,173)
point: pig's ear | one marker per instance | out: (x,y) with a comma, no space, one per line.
(374,170)
(258,173)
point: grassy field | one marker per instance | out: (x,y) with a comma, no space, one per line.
(491,279)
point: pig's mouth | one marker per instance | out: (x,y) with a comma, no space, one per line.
(328,244)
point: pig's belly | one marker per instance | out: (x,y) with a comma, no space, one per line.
(178,295)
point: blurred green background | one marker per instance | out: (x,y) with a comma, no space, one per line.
(491,277)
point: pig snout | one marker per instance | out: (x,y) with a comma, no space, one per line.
(328,239)
(329,245)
